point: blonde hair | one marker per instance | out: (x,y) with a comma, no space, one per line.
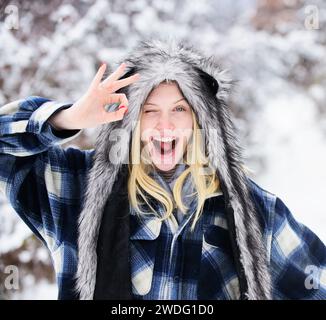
(205,180)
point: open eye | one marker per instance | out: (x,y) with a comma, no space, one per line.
(180,108)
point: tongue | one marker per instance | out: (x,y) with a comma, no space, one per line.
(166,146)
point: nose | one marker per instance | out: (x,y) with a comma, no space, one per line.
(165,123)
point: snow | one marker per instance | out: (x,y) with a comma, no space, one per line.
(12,230)
(279,98)
(295,151)
(41,290)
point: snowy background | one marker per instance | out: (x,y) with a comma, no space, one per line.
(274,48)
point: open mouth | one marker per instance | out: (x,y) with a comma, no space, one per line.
(164,145)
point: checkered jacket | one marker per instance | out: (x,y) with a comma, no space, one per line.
(45,185)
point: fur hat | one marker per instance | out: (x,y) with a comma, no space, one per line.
(206,86)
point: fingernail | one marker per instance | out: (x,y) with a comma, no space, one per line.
(122,107)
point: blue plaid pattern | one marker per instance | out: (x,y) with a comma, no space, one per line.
(170,262)
(43,182)
(45,185)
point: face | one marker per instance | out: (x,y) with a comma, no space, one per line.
(166,125)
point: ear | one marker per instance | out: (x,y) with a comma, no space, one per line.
(209,81)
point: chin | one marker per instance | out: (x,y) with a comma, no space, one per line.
(166,167)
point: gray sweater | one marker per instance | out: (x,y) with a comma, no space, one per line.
(168,178)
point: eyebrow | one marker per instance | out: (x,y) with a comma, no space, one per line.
(153,104)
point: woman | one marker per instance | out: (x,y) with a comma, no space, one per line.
(162,207)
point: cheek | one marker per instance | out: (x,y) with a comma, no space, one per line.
(148,122)
(185,124)
(147,129)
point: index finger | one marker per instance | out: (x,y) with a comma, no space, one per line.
(122,83)
(98,76)
(116,74)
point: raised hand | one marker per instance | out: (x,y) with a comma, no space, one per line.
(89,111)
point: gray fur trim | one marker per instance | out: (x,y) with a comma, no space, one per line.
(157,60)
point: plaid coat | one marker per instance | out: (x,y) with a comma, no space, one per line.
(45,185)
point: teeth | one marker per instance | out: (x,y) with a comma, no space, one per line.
(164,139)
